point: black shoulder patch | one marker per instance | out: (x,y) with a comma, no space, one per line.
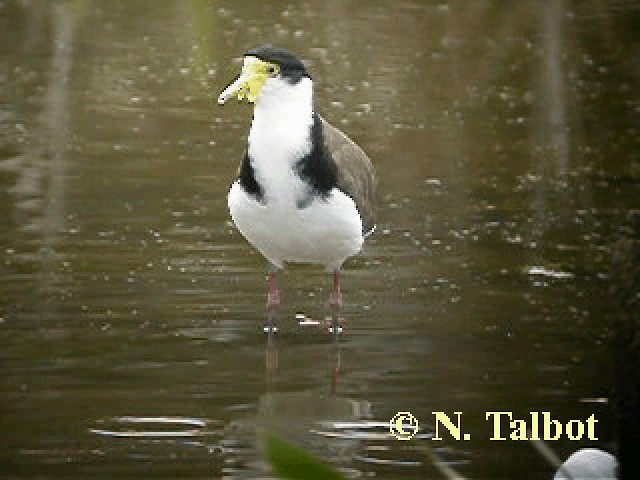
(317,168)
(248,180)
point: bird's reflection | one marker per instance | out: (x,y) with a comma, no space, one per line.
(334,326)
(311,419)
(270,354)
(334,363)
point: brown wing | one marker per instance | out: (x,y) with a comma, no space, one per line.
(356,176)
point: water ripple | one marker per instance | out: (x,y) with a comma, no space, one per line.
(164,427)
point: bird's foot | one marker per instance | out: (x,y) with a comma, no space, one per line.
(270,325)
(335,324)
(336,329)
(335,302)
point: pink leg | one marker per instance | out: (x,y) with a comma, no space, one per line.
(335,300)
(273,294)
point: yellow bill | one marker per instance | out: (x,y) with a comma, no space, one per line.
(248,85)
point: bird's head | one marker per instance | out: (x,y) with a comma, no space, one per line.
(265,69)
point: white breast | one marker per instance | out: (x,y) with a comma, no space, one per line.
(326,231)
(279,136)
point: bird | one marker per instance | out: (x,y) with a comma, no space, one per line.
(305,192)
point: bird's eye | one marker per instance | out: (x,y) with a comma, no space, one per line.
(272,70)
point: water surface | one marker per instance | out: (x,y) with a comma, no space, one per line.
(505,136)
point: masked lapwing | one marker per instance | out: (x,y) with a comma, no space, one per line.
(305,191)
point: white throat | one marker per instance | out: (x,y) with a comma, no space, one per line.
(280,132)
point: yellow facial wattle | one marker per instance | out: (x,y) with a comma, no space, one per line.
(256,74)
(249,84)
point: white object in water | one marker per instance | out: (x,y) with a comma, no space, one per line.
(588,463)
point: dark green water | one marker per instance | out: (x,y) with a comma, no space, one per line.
(506,139)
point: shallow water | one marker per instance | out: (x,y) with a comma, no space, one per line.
(506,141)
